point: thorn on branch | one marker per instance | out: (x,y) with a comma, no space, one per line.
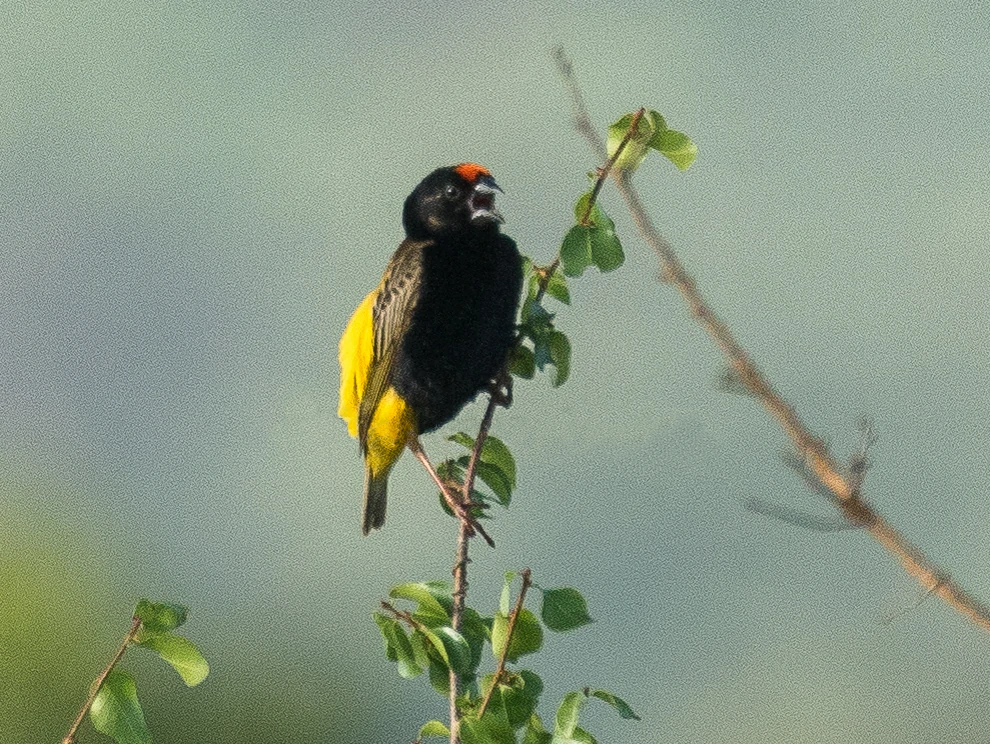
(859,463)
(730,381)
(939,581)
(798,518)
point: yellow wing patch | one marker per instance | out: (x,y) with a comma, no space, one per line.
(357,350)
(389,431)
(392,421)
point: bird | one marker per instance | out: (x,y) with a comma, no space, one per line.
(437,329)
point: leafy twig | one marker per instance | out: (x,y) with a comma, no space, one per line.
(544,273)
(604,171)
(70,737)
(500,670)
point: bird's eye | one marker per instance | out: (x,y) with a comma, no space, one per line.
(451,192)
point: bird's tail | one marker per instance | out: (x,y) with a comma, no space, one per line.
(375,499)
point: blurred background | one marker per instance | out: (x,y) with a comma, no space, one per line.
(193,198)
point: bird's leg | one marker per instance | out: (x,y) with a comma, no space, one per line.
(452,498)
(500,389)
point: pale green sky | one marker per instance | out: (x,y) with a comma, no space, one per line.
(195,196)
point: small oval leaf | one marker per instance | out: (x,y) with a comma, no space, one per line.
(429,611)
(398,647)
(557,287)
(560,355)
(433,728)
(523,363)
(616,702)
(676,146)
(567,715)
(116,711)
(638,144)
(564,609)
(181,653)
(160,617)
(575,251)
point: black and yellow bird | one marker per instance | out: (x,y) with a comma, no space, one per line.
(436,330)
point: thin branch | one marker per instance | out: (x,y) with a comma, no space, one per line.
(582,120)
(404,615)
(604,171)
(70,737)
(479,443)
(461,561)
(513,616)
(461,508)
(845,487)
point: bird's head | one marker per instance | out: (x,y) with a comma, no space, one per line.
(450,200)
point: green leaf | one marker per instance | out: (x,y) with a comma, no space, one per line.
(557,286)
(592,241)
(500,630)
(575,251)
(116,711)
(520,696)
(420,652)
(451,646)
(535,732)
(560,355)
(181,653)
(439,676)
(581,207)
(494,452)
(638,145)
(580,736)
(606,250)
(676,146)
(505,596)
(398,647)
(616,702)
(496,466)
(527,635)
(465,440)
(429,611)
(476,632)
(458,650)
(496,479)
(659,123)
(567,715)
(160,617)
(433,728)
(489,730)
(522,363)
(564,609)
(442,593)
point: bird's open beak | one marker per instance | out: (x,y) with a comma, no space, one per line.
(483,201)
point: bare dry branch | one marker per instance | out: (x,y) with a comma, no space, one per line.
(845,485)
